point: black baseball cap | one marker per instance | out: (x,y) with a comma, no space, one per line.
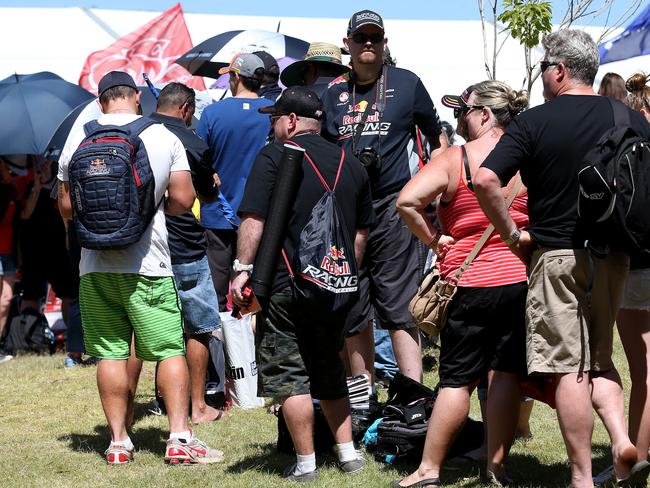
(364,17)
(297,100)
(270,63)
(113,79)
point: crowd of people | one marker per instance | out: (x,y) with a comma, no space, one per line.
(536,301)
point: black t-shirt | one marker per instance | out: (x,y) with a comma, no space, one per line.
(548,144)
(352,191)
(186,237)
(407,104)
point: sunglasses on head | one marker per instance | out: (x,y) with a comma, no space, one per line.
(361,38)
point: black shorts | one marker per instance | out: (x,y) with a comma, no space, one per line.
(45,260)
(297,353)
(388,278)
(486,329)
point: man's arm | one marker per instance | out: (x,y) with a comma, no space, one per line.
(437,142)
(180,193)
(487,187)
(250,235)
(65,204)
(360,241)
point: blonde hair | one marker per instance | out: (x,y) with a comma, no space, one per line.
(639,96)
(504,102)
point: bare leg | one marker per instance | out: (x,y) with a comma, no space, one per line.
(609,403)
(523,425)
(337,413)
(361,353)
(504,398)
(298,413)
(113,385)
(634,330)
(573,400)
(133,369)
(174,384)
(447,419)
(6,294)
(406,346)
(197,362)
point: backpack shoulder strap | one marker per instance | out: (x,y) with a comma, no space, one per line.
(90,127)
(621,113)
(318,173)
(136,127)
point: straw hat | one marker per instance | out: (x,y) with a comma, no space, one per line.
(326,56)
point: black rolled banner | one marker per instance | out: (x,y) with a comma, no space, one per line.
(275,227)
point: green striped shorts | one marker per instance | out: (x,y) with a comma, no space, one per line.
(115,306)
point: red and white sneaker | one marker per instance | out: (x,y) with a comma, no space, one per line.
(193,451)
(117,454)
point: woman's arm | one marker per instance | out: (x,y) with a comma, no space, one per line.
(421,190)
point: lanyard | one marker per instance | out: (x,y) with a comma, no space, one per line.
(380,104)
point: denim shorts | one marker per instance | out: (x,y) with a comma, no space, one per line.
(7,265)
(198,298)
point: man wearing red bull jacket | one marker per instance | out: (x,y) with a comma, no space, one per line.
(372,112)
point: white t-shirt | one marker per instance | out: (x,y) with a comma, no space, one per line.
(150,255)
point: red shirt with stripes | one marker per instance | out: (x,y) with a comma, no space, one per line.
(463,219)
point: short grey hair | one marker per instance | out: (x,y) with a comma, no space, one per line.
(577,50)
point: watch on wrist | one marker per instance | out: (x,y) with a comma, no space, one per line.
(512,238)
(436,239)
(237,266)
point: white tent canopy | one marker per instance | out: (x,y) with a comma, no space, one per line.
(447,55)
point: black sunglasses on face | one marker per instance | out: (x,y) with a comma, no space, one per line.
(544,65)
(361,38)
(462,112)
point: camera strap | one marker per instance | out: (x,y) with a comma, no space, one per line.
(380,103)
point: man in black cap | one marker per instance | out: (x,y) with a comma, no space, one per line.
(297,350)
(372,113)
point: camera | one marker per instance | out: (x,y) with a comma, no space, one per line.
(369,158)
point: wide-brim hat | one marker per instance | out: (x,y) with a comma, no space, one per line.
(326,56)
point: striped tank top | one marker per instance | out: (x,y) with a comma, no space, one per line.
(463,219)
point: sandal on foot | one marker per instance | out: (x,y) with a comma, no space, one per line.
(418,484)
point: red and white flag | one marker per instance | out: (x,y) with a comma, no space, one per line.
(151,49)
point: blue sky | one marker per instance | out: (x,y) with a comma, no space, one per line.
(397,9)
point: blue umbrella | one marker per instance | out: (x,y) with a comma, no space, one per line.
(31,109)
(634,41)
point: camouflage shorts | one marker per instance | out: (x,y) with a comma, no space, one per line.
(297,355)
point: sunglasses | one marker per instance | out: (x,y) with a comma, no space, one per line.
(361,38)
(544,65)
(274,118)
(462,112)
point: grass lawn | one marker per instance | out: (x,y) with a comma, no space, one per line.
(53,434)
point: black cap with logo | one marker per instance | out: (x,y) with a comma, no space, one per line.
(297,100)
(364,17)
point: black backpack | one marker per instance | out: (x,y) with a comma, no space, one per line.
(29,332)
(327,275)
(614,184)
(112,186)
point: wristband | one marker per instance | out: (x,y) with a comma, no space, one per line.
(237,266)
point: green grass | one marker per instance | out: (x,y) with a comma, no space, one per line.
(53,434)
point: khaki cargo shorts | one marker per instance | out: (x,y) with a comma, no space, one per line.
(573,299)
